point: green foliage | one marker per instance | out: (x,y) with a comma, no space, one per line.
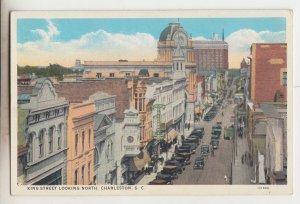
(53,70)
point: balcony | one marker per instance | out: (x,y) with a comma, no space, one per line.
(131,150)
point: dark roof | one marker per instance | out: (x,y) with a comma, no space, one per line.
(164,34)
(79,91)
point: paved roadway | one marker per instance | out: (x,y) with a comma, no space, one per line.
(217,166)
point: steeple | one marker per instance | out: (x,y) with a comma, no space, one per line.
(223,34)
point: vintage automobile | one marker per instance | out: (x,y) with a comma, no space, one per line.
(199,163)
(183,150)
(185,155)
(204,150)
(172,169)
(175,163)
(215,137)
(190,146)
(215,144)
(165,176)
(194,140)
(159,182)
(199,132)
(184,160)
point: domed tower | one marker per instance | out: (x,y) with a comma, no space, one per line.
(170,37)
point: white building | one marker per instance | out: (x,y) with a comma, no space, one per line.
(45,135)
(104,132)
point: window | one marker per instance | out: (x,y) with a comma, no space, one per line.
(155,75)
(127,74)
(41,143)
(99,75)
(89,138)
(76,177)
(76,144)
(50,139)
(89,171)
(47,114)
(96,157)
(111,75)
(82,142)
(59,134)
(37,117)
(284,78)
(30,148)
(82,174)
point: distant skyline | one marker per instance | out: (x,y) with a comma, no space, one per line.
(44,41)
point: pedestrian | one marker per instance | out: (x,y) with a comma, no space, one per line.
(225,179)
(189,126)
(242,159)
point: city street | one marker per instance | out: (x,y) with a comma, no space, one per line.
(217,166)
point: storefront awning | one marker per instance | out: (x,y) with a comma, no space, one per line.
(172,134)
(138,162)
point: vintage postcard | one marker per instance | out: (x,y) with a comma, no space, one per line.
(151,102)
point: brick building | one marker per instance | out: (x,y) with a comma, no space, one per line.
(268,72)
(211,54)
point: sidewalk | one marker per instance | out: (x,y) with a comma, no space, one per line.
(241,172)
(147,178)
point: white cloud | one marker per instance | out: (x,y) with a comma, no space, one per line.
(240,42)
(98,45)
(200,38)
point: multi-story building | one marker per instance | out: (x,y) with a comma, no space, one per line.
(211,54)
(81,143)
(268,72)
(267,111)
(42,124)
(129,159)
(172,36)
(104,132)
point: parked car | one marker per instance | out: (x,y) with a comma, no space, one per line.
(194,140)
(182,159)
(215,144)
(159,182)
(183,150)
(185,155)
(204,150)
(170,169)
(215,137)
(175,163)
(199,132)
(167,177)
(199,163)
(192,146)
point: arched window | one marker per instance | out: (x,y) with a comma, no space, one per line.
(82,141)
(76,144)
(177,66)
(30,148)
(50,139)
(181,66)
(41,143)
(59,136)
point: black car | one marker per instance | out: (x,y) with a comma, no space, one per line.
(199,163)
(167,177)
(193,140)
(181,159)
(175,163)
(215,137)
(204,150)
(171,169)
(199,132)
(192,146)
(159,182)
(183,150)
(215,144)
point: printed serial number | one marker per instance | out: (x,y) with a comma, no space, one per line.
(263,187)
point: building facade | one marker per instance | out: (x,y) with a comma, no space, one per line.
(211,53)
(81,143)
(104,132)
(172,36)
(44,136)
(268,72)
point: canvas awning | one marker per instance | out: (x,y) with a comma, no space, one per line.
(138,162)
(172,134)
